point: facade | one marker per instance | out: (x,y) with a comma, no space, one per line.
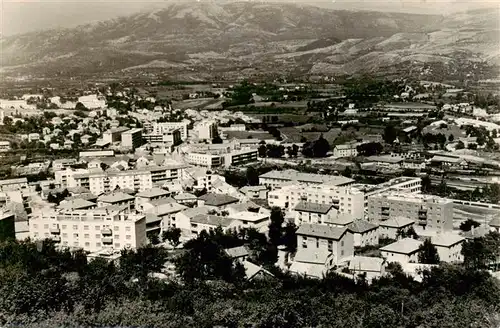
(239,157)
(313,213)
(344,199)
(258,221)
(429,212)
(275,179)
(91,230)
(346,150)
(259,192)
(336,241)
(217,159)
(365,233)
(61,164)
(207,130)
(14,184)
(170,137)
(372,267)
(161,128)
(114,135)
(393,227)
(132,138)
(207,160)
(402,251)
(449,247)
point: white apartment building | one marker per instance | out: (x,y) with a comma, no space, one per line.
(275,179)
(313,213)
(216,159)
(13,184)
(207,130)
(132,138)
(449,247)
(91,230)
(66,178)
(346,150)
(401,184)
(344,199)
(114,134)
(161,128)
(205,159)
(430,212)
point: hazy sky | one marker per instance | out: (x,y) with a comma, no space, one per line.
(20,16)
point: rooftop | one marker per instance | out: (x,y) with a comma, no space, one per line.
(115,197)
(397,222)
(249,216)
(361,226)
(13,181)
(212,199)
(322,231)
(342,219)
(403,246)
(118,129)
(365,263)
(192,212)
(385,159)
(288,175)
(495,222)
(76,204)
(152,193)
(212,220)
(235,252)
(446,239)
(317,256)
(304,206)
(185,196)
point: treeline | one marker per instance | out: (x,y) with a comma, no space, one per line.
(43,287)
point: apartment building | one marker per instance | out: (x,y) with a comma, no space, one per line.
(344,199)
(346,150)
(91,230)
(132,138)
(204,159)
(13,184)
(211,159)
(429,212)
(161,128)
(66,178)
(170,137)
(334,240)
(275,179)
(449,247)
(313,213)
(114,134)
(401,184)
(207,130)
(239,157)
(63,163)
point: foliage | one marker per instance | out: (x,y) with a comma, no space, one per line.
(480,252)
(370,149)
(172,235)
(317,148)
(427,253)
(469,224)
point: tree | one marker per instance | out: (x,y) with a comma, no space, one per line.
(427,253)
(347,172)
(172,235)
(390,134)
(252,176)
(321,147)
(38,188)
(262,151)
(290,237)
(275,226)
(460,145)
(480,252)
(370,148)
(472,146)
(426,184)
(493,193)
(451,138)
(469,224)
(217,140)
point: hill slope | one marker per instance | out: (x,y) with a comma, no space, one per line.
(233,39)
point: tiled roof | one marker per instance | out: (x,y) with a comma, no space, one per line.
(397,222)
(307,255)
(403,246)
(184,196)
(212,220)
(115,197)
(235,252)
(192,212)
(365,263)
(446,239)
(154,192)
(360,226)
(320,230)
(313,207)
(218,199)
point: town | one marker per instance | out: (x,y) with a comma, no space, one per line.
(255,181)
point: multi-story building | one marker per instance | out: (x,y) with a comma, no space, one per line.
(161,128)
(242,156)
(427,211)
(207,130)
(275,179)
(403,251)
(344,199)
(219,158)
(66,178)
(170,137)
(114,134)
(132,138)
(63,163)
(449,247)
(91,230)
(346,150)
(337,241)
(401,184)
(313,213)
(13,184)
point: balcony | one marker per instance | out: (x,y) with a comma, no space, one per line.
(55,230)
(106,232)
(422,222)
(57,239)
(107,240)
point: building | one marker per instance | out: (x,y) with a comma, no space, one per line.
(117,198)
(207,130)
(213,159)
(239,157)
(258,192)
(170,137)
(160,214)
(365,233)
(204,159)
(410,185)
(384,161)
(114,134)
(97,153)
(4,146)
(346,150)
(161,128)
(258,221)
(338,242)
(371,267)
(14,184)
(238,253)
(403,251)
(394,227)
(207,222)
(449,247)
(132,138)
(91,230)
(7,225)
(313,213)
(150,195)
(275,179)
(216,201)
(429,212)
(183,219)
(61,164)
(344,199)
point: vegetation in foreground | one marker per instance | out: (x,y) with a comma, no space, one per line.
(43,287)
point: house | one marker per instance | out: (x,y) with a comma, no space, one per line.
(393,228)
(403,251)
(206,222)
(259,192)
(216,201)
(384,161)
(259,221)
(165,209)
(116,198)
(151,194)
(372,267)
(239,253)
(449,247)
(346,150)
(365,233)
(255,272)
(306,212)
(312,263)
(183,218)
(478,232)
(185,198)
(340,220)
(77,204)
(337,241)
(495,224)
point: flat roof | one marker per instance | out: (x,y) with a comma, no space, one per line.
(322,231)
(446,239)
(304,206)
(290,175)
(403,246)
(154,192)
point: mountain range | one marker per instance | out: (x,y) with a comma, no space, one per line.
(206,40)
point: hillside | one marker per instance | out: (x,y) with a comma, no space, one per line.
(199,40)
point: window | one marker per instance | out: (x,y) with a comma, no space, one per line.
(317,242)
(128,236)
(97,235)
(116,228)
(75,227)
(35,226)
(330,246)
(64,226)
(127,228)
(342,253)
(75,235)
(117,245)
(45,226)
(342,243)
(87,244)
(117,236)
(86,236)
(98,244)
(65,235)
(97,228)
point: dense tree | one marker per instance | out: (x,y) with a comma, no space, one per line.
(262,151)
(276,226)
(390,134)
(317,148)
(252,176)
(217,140)
(468,225)
(289,238)
(426,184)
(370,149)
(427,253)
(480,252)
(460,145)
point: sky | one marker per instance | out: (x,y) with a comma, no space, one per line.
(22,16)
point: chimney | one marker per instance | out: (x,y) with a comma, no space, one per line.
(472,230)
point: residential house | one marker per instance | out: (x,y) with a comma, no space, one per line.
(77,204)
(259,192)
(239,253)
(255,272)
(216,201)
(116,198)
(206,222)
(259,221)
(449,247)
(365,233)
(403,251)
(312,263)
(306,212)
(346,150)
(183,219)
(186,198)
(393,228)
(371,267)
(150,194)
